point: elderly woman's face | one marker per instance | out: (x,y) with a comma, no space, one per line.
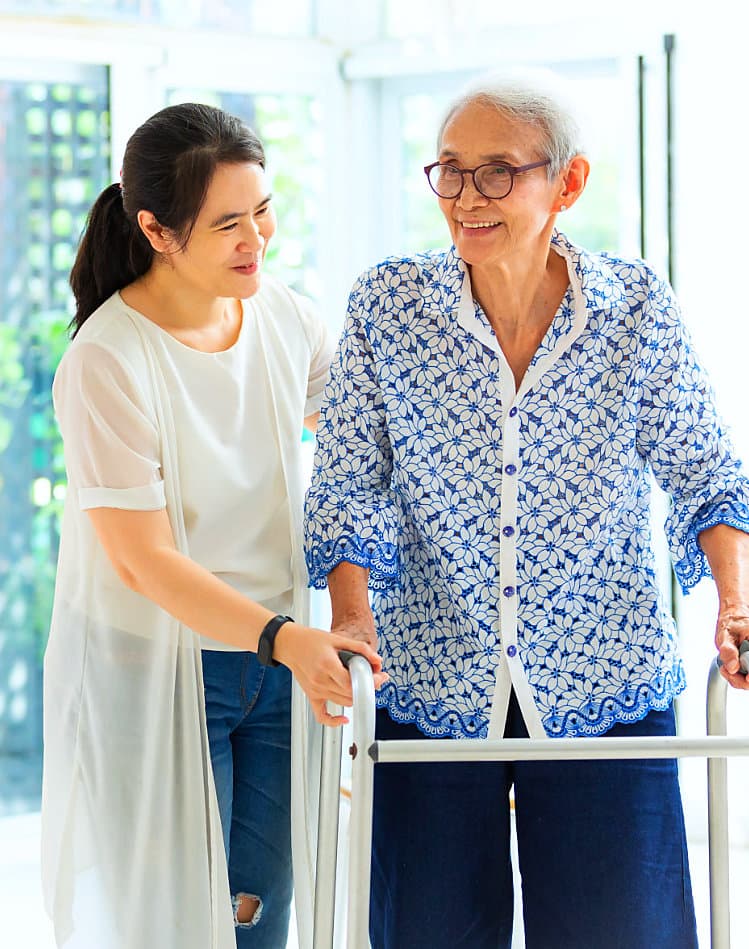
(491,230)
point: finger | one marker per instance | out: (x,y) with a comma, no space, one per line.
(728,657)
(360,647)
(336,689)
(338,678)
(324,716)
(337,698)
(737,680)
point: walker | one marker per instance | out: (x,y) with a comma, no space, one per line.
(366,752)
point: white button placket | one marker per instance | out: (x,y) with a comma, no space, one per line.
(510,671)
(508,601)
(511,665)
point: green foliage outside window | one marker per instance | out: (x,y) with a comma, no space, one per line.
(54,160)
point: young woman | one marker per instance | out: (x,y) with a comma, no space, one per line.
(181,402)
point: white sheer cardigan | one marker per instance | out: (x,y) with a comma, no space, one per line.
(132,850)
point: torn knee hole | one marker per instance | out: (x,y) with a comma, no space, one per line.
(247,909)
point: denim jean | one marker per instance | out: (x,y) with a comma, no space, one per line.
(248,709)
(602,850)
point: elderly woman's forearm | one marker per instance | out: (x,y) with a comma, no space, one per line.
(727,552)
(348,587)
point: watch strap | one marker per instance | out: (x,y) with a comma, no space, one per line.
(267,639)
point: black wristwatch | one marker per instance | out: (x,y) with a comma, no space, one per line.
(268,637)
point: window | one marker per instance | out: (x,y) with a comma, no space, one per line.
(54,160)
(287,18)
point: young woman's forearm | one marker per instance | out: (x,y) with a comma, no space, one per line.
(197,598)
(140,546)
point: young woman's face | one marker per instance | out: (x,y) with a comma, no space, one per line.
(225,252)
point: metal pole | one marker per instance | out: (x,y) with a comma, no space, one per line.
(327,839)
(717,815)
(360,824)
(558,749)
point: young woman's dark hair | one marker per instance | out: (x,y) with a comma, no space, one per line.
(168,165)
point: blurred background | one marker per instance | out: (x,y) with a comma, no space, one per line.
(346,95)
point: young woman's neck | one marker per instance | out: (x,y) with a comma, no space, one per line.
(165,297)
(202,322)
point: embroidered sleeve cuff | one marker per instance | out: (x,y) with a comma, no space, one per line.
(693,566)
(379,557)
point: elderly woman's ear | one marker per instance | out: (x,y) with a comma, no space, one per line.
(572,180)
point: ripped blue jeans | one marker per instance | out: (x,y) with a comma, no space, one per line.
(248,710)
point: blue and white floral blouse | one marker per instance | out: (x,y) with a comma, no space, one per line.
(507,533)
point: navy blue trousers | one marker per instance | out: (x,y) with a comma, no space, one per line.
(601,844)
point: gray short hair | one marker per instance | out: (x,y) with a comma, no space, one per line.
(529,103)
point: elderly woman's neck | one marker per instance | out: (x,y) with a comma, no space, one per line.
(520,299)
(520,291)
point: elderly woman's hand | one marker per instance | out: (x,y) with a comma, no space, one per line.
(732,630)
(727,551)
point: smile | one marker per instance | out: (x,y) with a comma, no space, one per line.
(474,225)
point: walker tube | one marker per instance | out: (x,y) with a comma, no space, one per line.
(362,782)
(717,815)
(327,839)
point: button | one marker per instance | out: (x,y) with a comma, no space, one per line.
(512,651)
(510,469)
(508,530)
(509,591)
(513,411)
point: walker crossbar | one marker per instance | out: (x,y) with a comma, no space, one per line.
(365,752)
(556,749)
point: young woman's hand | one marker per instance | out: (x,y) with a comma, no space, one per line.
(312,656)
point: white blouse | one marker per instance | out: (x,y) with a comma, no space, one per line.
(234,500)
(132,844)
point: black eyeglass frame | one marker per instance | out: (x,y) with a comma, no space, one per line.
(512,169)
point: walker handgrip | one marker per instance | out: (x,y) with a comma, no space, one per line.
(743,657)
(345,655)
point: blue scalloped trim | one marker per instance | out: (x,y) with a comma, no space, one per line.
(431,718)
(630,706)
(694,566)
(379,557)
(434,720)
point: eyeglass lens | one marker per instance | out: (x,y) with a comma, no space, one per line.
(493,181)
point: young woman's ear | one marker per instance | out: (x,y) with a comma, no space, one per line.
(159,237)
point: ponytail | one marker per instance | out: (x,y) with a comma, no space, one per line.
(112,253)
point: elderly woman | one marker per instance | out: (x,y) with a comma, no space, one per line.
(484,460)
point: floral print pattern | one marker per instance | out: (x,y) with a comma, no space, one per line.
(496,522)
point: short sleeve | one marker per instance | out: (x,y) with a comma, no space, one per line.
(110,436)
(322,346)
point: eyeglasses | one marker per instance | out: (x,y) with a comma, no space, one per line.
(494,180)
